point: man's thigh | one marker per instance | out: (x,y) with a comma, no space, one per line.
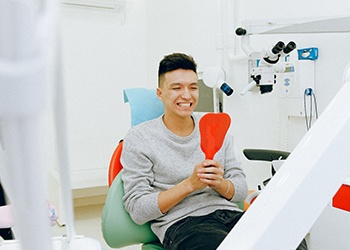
(203,232)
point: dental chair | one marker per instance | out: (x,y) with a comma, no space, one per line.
(118,228)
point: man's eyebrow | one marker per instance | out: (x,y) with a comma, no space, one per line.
(175,83)
(179,83)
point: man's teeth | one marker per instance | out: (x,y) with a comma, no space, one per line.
(184,104)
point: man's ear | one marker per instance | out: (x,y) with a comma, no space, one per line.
(159,94)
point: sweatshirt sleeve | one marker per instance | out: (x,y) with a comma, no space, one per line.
(234,172)
(140,199)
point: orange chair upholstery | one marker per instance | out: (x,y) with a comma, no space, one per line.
(115,165)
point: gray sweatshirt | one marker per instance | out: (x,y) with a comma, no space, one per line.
(154,159)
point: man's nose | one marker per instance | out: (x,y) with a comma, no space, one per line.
(186,93)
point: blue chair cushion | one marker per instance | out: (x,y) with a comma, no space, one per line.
(144,104)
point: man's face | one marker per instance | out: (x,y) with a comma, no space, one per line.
(179,92)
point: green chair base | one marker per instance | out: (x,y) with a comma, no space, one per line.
(152,246)
(118,228)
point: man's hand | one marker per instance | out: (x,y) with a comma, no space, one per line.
(208,173)
(211,173)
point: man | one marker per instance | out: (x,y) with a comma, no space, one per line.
(189,200)
(166,178)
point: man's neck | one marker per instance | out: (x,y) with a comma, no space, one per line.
(181,126)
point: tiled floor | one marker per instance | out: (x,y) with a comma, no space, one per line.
(88,224)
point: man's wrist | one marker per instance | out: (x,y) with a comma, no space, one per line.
(228,187)
(187,186)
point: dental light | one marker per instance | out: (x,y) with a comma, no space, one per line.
(216,77)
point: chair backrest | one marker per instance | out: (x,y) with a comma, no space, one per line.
(144,106)
(118,228)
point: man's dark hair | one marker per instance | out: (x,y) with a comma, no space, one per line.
(176,61)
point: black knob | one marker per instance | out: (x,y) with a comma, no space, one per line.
(240,31)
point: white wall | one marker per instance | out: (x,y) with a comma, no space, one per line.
(181,26)
(102,56)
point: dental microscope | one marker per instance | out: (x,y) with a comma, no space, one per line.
(271,61)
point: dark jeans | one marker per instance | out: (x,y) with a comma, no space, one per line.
(204,232)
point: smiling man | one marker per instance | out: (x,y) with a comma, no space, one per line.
(189,201)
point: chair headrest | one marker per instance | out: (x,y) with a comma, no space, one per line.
(144,104)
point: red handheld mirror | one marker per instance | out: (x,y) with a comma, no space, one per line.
(213,128)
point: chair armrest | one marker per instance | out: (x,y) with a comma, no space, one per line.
(265,154)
